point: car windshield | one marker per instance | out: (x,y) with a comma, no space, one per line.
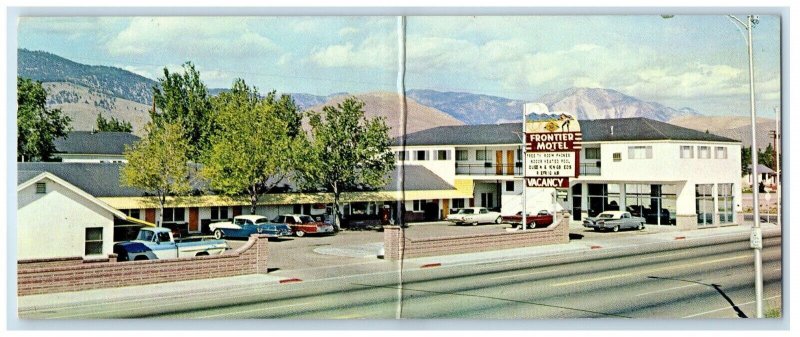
(606,216)
(466,211)
(306,219)
(261,220)
(145,236)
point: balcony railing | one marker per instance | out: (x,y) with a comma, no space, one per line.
(487,169)
(590,169)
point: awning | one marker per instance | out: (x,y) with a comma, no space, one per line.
(138,221)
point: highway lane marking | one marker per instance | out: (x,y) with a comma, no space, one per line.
(255,310)
(525,274)
(668,289)
(664,255)
(603,278)
(728,307)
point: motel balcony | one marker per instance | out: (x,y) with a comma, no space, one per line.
(590,169)
(489,169)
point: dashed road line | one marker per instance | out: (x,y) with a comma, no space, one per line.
(525,274)
(256,310)
(668,289)
(727,308)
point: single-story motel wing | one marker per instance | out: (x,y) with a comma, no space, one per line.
(671,176)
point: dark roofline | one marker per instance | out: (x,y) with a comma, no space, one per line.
(597,130)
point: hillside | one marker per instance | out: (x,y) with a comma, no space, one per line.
(387,105)
(734,127)
(46,67)
(470,108)
(83,104)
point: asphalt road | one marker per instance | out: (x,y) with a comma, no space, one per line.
(708,281)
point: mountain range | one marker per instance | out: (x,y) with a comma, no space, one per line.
(84,91)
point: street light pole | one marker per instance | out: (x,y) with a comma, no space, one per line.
(755,238)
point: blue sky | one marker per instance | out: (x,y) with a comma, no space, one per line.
(686,61)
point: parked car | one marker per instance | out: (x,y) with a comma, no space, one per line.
(302,224)
(541,219)
(474,216)
(158,243)
(243,226)
(614,221)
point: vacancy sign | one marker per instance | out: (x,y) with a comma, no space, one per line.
(552,154)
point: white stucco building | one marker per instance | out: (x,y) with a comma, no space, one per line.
(56,219)
(667,174)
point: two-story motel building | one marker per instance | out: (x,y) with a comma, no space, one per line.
(667,174)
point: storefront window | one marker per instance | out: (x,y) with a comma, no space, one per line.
(577,191)
(725,202)
(598,198)
(657,204)
(704,204)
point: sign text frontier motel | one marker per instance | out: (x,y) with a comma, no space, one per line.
(552,152)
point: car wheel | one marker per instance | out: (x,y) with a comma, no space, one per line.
(218,234)
(641,226)
(299,233)
(596,229)
(615,229)
(498,220)
(475,223)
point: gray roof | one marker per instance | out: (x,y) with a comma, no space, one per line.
(598,130)
(761,168)
(102,179)
(87,142)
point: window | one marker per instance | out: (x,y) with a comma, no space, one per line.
(94,241)
(41,188)
(687,152)
(640,152)
(133,213)
(487,200)
(480,155)
(593,153)
(617,156)
(418,205)
(442,155)
(174,214)
(402,155)
(721,152)
(458,203)
(704,152)
(510,186)
(462,155)
(725,202)
(421,155)
(219,213)
(704,204)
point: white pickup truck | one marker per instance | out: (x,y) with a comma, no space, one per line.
(474,216)
(158,243)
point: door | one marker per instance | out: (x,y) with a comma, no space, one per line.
(510,162)
(498,163)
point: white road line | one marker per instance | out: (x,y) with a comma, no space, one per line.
(525,274)
(727,308)
(663,255)
(668,289)
(255,310)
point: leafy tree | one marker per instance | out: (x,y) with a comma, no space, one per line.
(767,157)
(746,160)
(251,148)
(37,126)
(158,164)
(112,125)
(345,152)
(184,99)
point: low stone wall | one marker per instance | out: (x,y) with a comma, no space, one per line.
(47,276)
(397,246)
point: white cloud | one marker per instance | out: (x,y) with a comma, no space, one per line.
(189,37)
(348,31)
(377,51)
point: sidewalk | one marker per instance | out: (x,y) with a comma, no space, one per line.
(371,264)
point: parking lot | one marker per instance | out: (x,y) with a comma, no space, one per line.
(351,247)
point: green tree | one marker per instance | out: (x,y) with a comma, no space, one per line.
(767,157)
(250,150)
(158,164)
(37,126)
(184,99)
(746,160)
(113,125)
(345,152)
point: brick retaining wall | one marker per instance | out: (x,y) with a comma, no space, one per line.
(397,245)
(63,275)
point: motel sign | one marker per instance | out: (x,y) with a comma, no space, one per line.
(552,152)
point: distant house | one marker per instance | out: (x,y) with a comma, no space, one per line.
(94,147)
(56,219)
(766,175)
